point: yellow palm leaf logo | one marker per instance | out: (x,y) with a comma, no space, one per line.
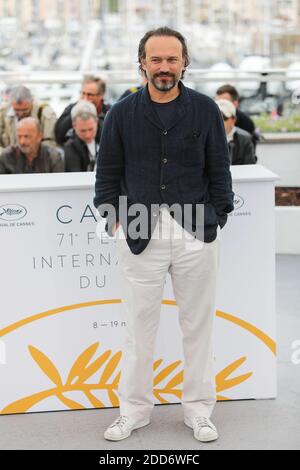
(107,365)
(223,381)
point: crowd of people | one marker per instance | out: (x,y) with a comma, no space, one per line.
(34,140)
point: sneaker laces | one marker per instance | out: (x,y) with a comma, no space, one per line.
(203,422)
(120,422)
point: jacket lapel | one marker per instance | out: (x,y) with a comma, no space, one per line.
(178,117)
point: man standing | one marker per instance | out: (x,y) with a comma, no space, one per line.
(93,89)
(22,105)
(162,146)
(30,155)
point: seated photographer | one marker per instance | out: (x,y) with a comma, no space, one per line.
(81,149)
(30,154)
(21,104)
(241,148)
(92,90)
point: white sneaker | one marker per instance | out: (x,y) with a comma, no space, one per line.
(122,427)
(204,430)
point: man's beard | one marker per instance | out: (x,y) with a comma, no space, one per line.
(25,149)
(164,85)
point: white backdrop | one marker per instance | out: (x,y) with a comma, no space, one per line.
(61,312)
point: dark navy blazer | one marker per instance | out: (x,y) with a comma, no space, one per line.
(186,163)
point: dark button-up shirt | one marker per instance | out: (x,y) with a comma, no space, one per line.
(185,163)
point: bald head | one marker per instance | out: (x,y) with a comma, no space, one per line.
(30,123)
(29,136)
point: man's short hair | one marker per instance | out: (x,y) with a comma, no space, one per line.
(231,90)
(21,93)
(31,120)
(84,110)
(101,85)
(166,32)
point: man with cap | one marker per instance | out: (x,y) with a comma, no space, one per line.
(243,121)
(241,148)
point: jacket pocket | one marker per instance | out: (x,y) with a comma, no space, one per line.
(193,150)
(210,215)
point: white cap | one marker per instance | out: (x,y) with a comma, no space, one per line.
(227,108)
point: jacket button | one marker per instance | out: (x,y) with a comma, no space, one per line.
(165,160)
(163,187)
(165,132)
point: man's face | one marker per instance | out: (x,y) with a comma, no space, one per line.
(229,124)
(89,92)
(163,63)
(28,138)
(22,109)
(228,97)
(86,130)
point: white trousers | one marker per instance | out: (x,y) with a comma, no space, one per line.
(193,266)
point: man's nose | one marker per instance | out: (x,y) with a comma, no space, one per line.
(164,65)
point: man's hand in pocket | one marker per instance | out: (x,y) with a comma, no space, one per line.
(115,228)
